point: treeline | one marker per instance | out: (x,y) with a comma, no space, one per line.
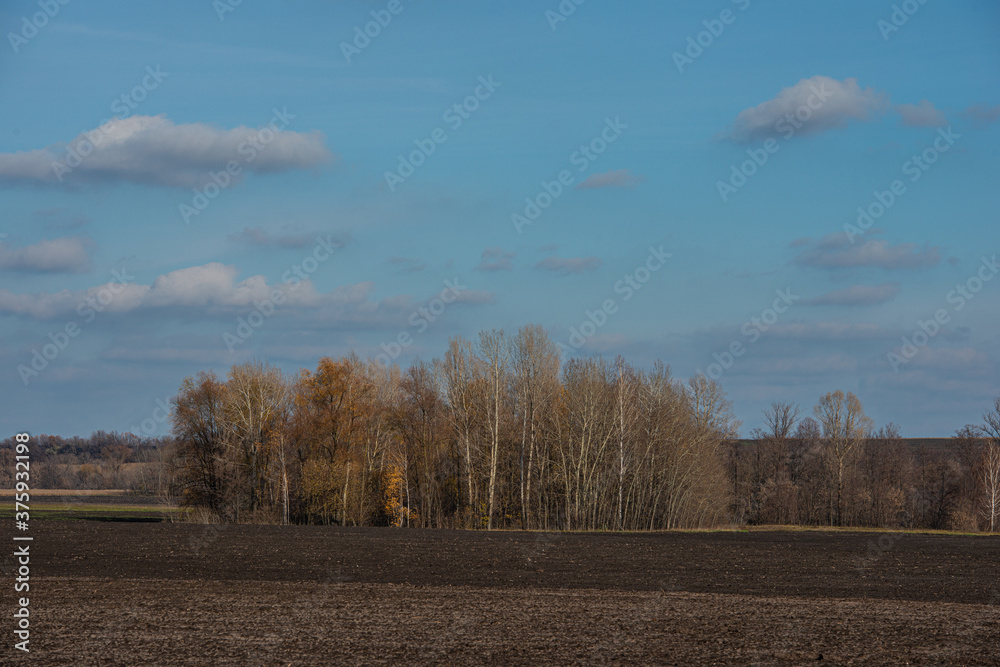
(498,433)
(838,469)
(104,460)
(495,434)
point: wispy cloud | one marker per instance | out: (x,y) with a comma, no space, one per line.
(406,264)
(836,252)
(830,330)
(67,254)
(475,297)
(982,115)
(257,236)
(856,295)
(922,114)
(619,178)
(496,259)
(57,218)
(562,266)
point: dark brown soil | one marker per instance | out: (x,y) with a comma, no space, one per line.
(164,594)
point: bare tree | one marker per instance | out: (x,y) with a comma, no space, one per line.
(460,371)
(197,420)
(770,496)
(990,473)
(990,466)
(886,463)
(496,355)
(256,402)
(377,436)
(711,410)
(780,418)
(700,494)
(844,428)
(536,377)
(626,391)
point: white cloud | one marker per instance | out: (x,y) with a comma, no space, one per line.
(214,290)
(823,102)
(62,255)
(46,305)
(212,286)
(152,150)
(922,114)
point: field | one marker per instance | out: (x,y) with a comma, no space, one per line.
(88,505)
(174,594)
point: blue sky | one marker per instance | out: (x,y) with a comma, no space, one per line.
(722,181)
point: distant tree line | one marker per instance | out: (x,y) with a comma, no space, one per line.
(104,460)
(500,434)
(838,469)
